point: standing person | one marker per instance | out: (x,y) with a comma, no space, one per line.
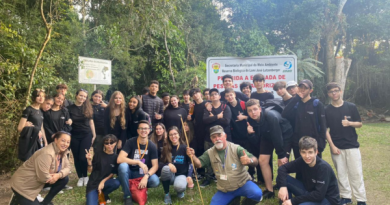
(165,98)
(269,127)
(246,88)
(158,136)
(83,133)
(47,167)
(98,107)
(138,158)
(134,114)
(115,119)
(47,104)
(342,120)
(239,118)
(197,119)
(57,118)
(152,104)
(102,167)
(32,116)
(172,112)
(227,81)
(63,89)
(206,94)
(292,88)
(186,101)
(176,165)
(309,116)
(261,93)
(280,89)
(318,185)
(229,163)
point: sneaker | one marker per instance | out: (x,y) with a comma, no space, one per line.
(275,187)
(40,198)
(205,183)
(128,201)
(86,181)
(268,194)
(61,192)
(108,201)
(80,182)
(214,179)
(180,195)
(346,201)
(167,199)
(46,189)
(361,203)
(67,187)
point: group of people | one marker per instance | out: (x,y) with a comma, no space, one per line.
(226,132)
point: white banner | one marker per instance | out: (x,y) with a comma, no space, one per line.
(274,68)
(94,71)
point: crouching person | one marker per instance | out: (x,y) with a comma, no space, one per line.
(319,183)
(138,158)
(48,166)
(228,162)
(102,167)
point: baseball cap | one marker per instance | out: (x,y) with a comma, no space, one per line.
(217,129)
(291,83)
(306,83)
(213,90)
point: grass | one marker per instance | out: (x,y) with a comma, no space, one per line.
(375,148)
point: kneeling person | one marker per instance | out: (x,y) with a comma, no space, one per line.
(228,162)
(319,183)
(138,158)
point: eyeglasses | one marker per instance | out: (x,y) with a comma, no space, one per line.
(175,134)
(334,92)
(109,143)
(143,129)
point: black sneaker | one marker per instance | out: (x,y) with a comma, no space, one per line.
(276,187)
(345,201)
(268,194)
(128,201)
(205,183)
(214,179)
(361,203)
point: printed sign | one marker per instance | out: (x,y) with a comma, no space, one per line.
(94,71)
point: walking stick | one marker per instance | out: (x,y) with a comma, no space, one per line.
(192,161)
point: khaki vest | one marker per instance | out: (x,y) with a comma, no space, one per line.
(236,173)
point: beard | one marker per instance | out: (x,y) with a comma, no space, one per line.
(219,144)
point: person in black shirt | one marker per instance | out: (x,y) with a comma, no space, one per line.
(261,93)
(206,94)
(269,130)
(115,119)
(227,81)
(176,165)
(292,88)
(246,88)
(47,104)
(134,114)
(197,119)
(173,113)
(32,116)
(342,118)
(280,89)
(165,98)
(57,118)
(98,107)
(319,183)
(102,167)
(63,89)
(83,133)
(186,101)
(158,136)
(138,158)
(308,114)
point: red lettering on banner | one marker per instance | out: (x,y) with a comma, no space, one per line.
(219,78)
(251,77)
(282,77)
(246,78)
(269,85)
(270,77)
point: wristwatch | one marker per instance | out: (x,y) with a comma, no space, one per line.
(251,160)
(148,174)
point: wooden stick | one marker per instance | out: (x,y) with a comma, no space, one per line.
(192,161)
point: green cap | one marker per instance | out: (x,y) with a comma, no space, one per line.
(217,129)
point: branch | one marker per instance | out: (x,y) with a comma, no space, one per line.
(170,58)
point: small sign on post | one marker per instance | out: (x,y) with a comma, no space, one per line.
(94,71)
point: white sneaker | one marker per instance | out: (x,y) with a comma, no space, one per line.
(80,182)
(46,189)
(40,198)
(61,192)
(108,201)
(86,181)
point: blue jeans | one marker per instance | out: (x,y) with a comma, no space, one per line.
(249,190)
(124,174)
(296,187)
(109,186)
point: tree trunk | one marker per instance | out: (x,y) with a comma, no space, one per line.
(329,58)
(170,58)
(341,72)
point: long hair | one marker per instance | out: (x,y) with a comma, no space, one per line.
(97,92)
(86,107)
(154,137)
(139,104)
(190,133)
(111,106)
(166,154)
(58,95)
(178,101)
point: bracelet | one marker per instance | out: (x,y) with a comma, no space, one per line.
(89,165)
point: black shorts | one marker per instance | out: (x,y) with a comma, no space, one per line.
(266,147)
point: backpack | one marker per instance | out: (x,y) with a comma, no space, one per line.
(315,104)
(274,104)
(242,104)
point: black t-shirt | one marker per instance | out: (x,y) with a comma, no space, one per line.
(186,107)
(34,116)
(131,149)
(342,137)
(160,144)
(210,121)
(320,181)
(171,117)
(238,128)
(197,117)
(262,97)
(98,119)
(285,102)
(103,164)
(80,123)
(180,159)
(56,115)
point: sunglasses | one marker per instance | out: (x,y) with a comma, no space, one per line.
(63,132)
(81,89)
(40,90)
(109,143)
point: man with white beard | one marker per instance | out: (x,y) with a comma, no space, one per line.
(228,162)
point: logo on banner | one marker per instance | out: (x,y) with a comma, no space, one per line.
(216,67)
(287,65)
